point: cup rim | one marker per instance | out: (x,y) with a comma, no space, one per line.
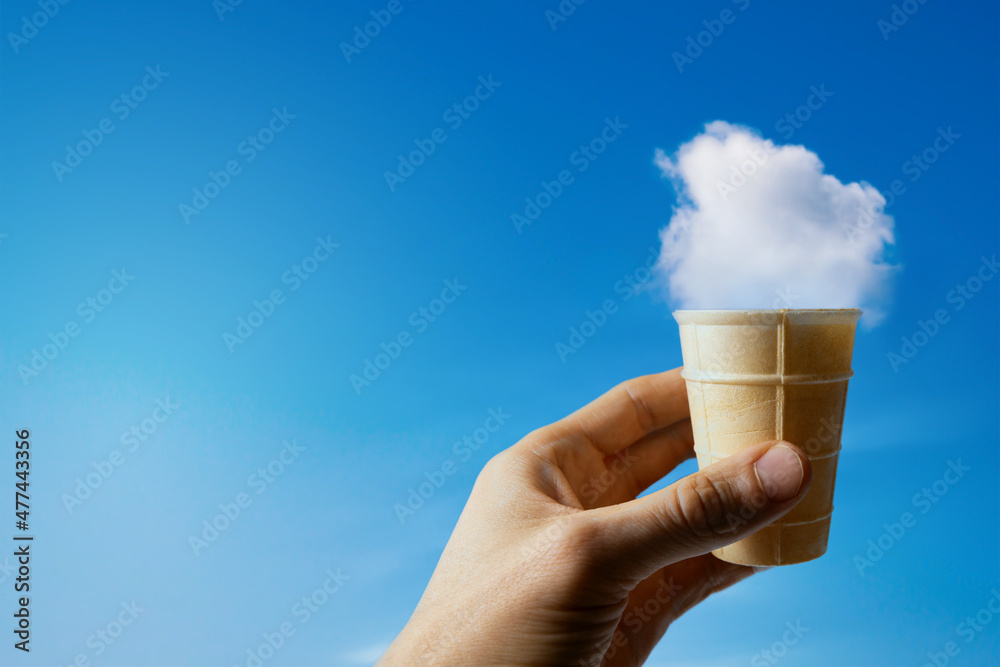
(736,317)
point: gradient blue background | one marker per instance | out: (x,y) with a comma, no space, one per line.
(494,347)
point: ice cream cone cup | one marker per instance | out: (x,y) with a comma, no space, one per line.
(759,375)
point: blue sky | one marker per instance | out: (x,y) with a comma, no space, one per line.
(327,130)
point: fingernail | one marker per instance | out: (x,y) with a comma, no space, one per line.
(780,473)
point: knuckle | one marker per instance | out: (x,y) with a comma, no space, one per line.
(702,505)
(577,535)
(495,469)
(576,552)
(643,413)
(493,466)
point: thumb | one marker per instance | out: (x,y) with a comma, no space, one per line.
(716,506)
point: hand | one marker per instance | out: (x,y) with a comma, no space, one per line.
(554,560)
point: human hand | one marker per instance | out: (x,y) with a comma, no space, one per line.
(554,561)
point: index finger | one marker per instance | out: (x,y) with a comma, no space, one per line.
(631,411)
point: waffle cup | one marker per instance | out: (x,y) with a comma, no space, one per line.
(759,375)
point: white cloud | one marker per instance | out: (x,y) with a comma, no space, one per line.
(761,226)
(366,655)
